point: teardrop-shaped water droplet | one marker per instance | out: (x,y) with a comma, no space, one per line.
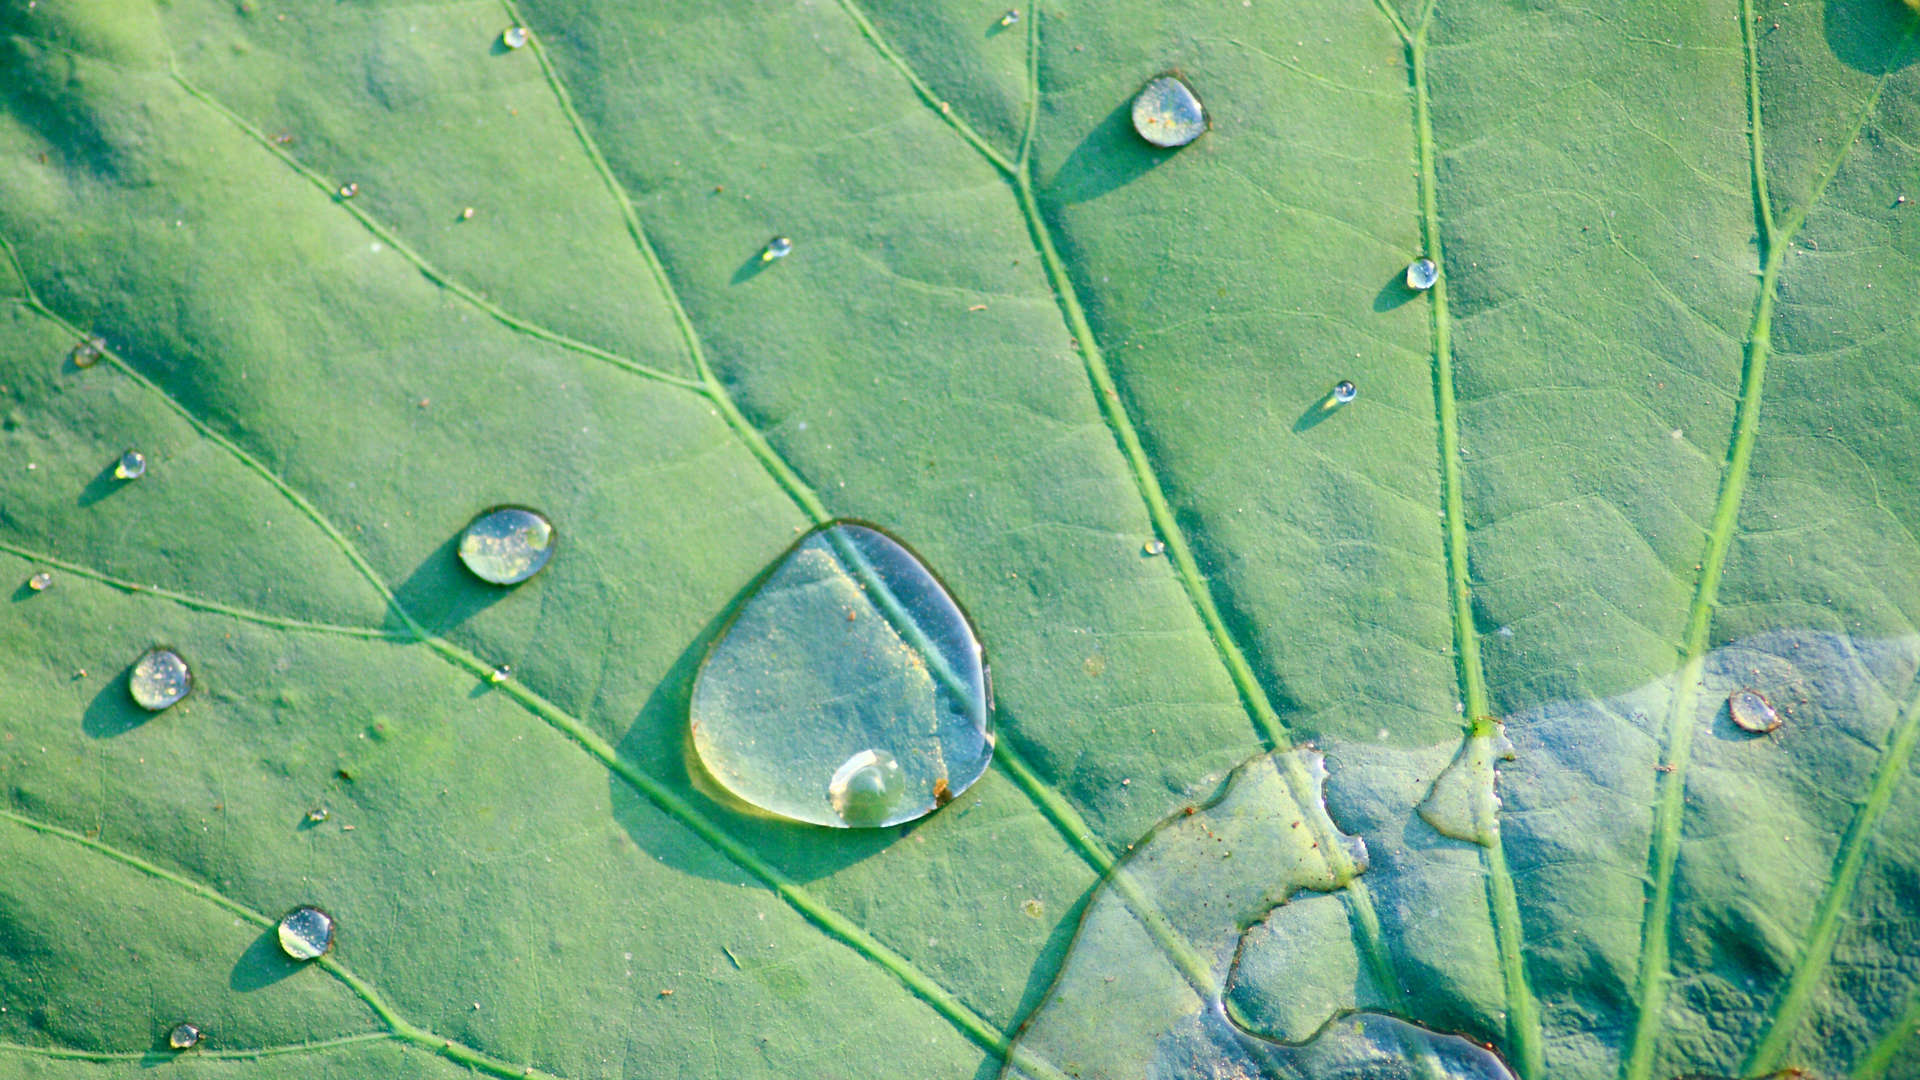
(1752,711)
(848,690)
(507,545)
(184,1037)
(514,37)
(1166,113)
(159,679)
(306,933)
(777,248)
(1422,274)
(40,582)
(1463,802)
(131,466)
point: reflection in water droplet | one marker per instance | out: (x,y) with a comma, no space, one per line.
(183,1037)
(1752,711)
(514,37)
(1344,392)
(507,545)
(159,679)
(866,787)
(1422,274)
(88,353)
(40,582)
(1166,113)
(306,933)
(1010,18)
(1463,802)
(131,466)
(848,687)
(777,248)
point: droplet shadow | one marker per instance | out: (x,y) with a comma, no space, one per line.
(752,268)
(112,711)
(1112,156)
(1871,36)
(441,593)
(104,484)
(1317,413)
(24,591)
(262,965)
(996,27)
(1395,293)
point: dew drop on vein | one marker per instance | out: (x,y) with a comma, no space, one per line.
(184,1037)
(849,689)
(131,466)
(1422,274)
(159,679)
(507,545)
(306,933)
(514,37)
(1167,113)
(88,353)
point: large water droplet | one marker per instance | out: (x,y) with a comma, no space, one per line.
(184,1037)
(306,933)
(1344,392)
(1166,113)
(507,545)
(159,679)
(131,466)
(849,689)
(1422,274)
(1752,711)
(1463,802)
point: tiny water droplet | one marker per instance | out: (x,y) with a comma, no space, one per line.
(306,933)
(1344,392)
(1752,711)
(184,1037)
(1166,113)
(349,190)
(131,466)
(866,788)
(1422,273)
(1010,17)
(1034,908)
(777,248)
(466,214)
(88,353)
(1154,547)
(507,545)
(40,582)
(514,37)
(159,679)
(319,814)
(864,722)
(500,674)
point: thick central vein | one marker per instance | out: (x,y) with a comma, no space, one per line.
(1655,977)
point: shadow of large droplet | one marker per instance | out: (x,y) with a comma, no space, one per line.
(262,965)
(112,711)
(442,594)
(1112,155)
(1874,36)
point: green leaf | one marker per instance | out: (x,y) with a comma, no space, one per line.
(1646,441)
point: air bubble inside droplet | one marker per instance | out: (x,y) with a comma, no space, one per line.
(507,545)
(514,37)
(159,679)
(1751,710)
(849,689)
(777,248)
(1166,113)
(184,1037)
(1422,274)
(306,933)
(131,466)
(866,788)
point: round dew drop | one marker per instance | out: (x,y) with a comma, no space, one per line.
(40,582)
(1751,711)
(306,933)
(1345,392)
(131,466)
(159,679)
(1422,274)
(777,248)
(1010,18)
(1166,113)
(507,545)
(514,37)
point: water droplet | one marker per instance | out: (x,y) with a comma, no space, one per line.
(184,1037)
(466,214)
(1166,113)
(866,787)
(1422,273)
(777,248)
(1034,908)
(40,582)
(514,37)
(349,190)
(815,716)
(1463,802)
(500,674)
(1344,392)
(88,353)
(319,814)
(131,466)
(159,679)
(1752,711)
(507,545)
(1010,18)
(1154,547)
(306,933)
